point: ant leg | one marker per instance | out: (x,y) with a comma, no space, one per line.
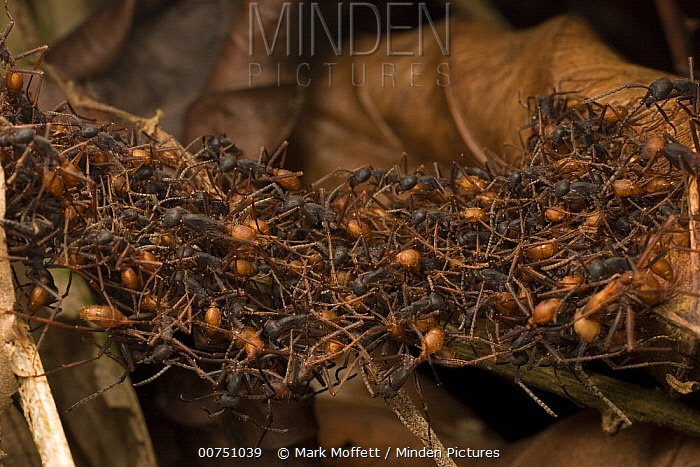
(100,352)
(666,119)
(96,394)
(326,177)
(532,394)
(8,29)
(281,151)
(613,329)
(629,116)
(342,367)
(246,418)
(590,385)
(32,72)
(154,377)
(626,86)
(267,427)
(42,48)
(566,391)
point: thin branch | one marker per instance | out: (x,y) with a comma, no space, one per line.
(38,403)
(639,404)
(21,356)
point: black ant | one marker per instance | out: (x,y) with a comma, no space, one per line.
(681,156)
(230,399)
(662,89)
(396,378)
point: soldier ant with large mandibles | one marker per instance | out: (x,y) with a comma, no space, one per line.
(660,90)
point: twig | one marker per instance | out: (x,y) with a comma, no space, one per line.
(21,359)
(639,404)
(38,403)
(8,380)
(676,34)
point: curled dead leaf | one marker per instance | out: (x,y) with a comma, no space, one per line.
(244,97)
(682,387)
(96,44)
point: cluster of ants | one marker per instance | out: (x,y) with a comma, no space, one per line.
(238,270)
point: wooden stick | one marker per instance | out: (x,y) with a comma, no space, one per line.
(8,380)
(21,354)
(38,403)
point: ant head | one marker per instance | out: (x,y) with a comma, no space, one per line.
(659,90)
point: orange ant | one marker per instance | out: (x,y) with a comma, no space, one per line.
(14,82)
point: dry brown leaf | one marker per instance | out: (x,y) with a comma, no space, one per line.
(253,111)
(157,63)
(251,118)
(577,441)
(96,43)
(491,74)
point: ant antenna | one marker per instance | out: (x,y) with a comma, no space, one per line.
(626,86)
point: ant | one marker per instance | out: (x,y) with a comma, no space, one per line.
(663,89)
(679,155)
(397,377)
(14,81)
(229,399)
